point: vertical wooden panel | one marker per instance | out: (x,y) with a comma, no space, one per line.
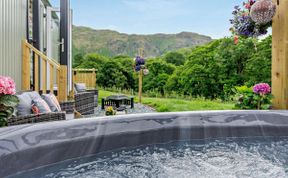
(58,73)
(280,56)
(140,85)
(74,79)
(87,76)
(62,87)
(95,78)
(36,68)
(44,76)
(51,78)
(25,67)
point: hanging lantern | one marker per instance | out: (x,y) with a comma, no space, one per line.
(145,71)
(262,11)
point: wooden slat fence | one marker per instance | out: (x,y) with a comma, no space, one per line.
(87,76)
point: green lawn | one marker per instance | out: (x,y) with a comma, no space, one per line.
(171,105)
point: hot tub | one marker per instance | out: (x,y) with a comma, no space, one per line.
(68,145)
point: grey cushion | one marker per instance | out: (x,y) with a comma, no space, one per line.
(25,104)
(80,87)
(34,95)
(41,105)
(50,103)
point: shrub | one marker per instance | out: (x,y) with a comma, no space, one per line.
(7,99)
(257,97)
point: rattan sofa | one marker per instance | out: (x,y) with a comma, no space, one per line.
(36,118)
(33,118)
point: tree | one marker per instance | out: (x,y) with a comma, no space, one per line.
(258,67)
(175,58)
(159,72)
(199,76)
(93,60)
(233,60)
(78,59)
(127,64)
(111,75)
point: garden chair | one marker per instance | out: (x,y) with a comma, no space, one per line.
(85,100)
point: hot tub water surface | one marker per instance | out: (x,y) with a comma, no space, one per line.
(245,157)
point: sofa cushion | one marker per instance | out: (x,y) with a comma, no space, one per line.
(34,95)
(25,104)
(41,105)
(52,102)
(80,87)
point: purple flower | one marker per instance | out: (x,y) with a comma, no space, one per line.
(262,88)
(137,68)
(242,23)
(139,61)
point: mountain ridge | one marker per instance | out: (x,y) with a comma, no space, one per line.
(112,43)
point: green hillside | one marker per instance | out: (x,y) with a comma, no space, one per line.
(111,43)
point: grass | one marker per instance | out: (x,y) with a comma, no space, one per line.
(171,105)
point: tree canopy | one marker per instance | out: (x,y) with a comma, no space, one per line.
(210,71)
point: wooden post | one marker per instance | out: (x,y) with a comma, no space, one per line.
(280,56)
(140,85)
(58,73)
(94,78)
(36,69)
(62,87)
(141,54)
(51,78)
(74,75)
(25,67)
(44,76)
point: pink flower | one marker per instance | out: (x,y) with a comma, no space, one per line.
(7,86)
(262,88)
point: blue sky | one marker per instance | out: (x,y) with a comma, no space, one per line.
(208,17)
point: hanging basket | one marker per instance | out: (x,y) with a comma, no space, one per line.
(139,63)
(139,60)
(262,11)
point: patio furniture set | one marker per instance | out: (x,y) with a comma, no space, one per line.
(118,102)
(34,108)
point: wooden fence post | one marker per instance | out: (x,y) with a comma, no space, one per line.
(141,54)
(26,76)
(62,87)
(36,69)
(51,78)
(280,56)
(94,78)
(140,85)
(44,76)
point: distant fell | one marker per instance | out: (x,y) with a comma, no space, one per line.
(112,43)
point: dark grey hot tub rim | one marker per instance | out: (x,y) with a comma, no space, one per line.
(30,146)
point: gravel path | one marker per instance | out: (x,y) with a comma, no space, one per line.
(138,108)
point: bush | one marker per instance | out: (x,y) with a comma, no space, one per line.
(249,99)
(175,58)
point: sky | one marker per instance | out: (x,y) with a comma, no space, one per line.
(207,17)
